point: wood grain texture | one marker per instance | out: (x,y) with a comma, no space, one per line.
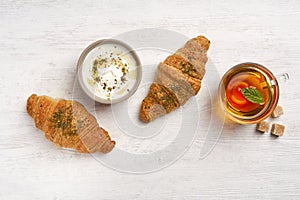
(40,43)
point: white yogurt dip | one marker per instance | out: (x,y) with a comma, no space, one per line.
(110,71)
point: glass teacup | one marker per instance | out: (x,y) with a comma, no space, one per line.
(249,93)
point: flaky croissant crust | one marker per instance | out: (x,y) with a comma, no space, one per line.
(177,79)
(68,124)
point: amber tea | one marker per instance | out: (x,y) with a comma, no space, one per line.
(249,93)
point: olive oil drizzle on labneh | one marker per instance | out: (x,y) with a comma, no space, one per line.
(116,68)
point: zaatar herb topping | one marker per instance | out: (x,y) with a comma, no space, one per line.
(63,119)
(116,66)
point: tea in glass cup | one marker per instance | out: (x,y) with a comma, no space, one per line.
(248,93)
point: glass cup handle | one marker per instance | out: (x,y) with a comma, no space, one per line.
(282,79)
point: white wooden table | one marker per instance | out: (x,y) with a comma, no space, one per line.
(40,43)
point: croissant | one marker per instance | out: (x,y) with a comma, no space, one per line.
(177,79)
(68,124)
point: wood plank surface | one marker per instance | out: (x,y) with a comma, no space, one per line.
(40,43)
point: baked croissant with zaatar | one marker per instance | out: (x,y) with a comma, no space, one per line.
(177,79)
(68,124)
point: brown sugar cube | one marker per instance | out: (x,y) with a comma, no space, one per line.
(277,112)
(263,126)
(277,129)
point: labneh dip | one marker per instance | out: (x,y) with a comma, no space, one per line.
(109,71)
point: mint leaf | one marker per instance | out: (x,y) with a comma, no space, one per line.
(253,95)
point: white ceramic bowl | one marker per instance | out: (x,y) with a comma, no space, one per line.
(109,71)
